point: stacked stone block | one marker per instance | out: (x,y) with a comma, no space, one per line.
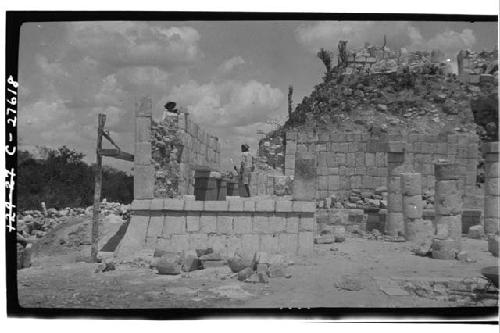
(304,181)
(358,160)
(416,228)
(238,225)
(198,149)
(491,188)
(448,205)
(144,171)
(394,225)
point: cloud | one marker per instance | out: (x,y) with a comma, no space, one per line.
(135,43)
(230,102)
(326,34)
(231,63)
(449,41)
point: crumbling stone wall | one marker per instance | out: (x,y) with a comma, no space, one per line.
(179,145)
(358,160)
(167,152)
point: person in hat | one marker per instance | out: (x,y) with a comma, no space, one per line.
(247,166)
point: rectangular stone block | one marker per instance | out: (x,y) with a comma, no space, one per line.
(143,181)
(216,206)
(333,183)
(413,207)
(288,244)
(155,226)
(284,206)
(224,224)
(250,243)
(261,224)
(304,206)
(193,205)
(193,222)
(198,241)
(292,224)
(141,204)
(269,244)
(142,153)
(249,205)
(306,223)
(208,223)
(175,223)
(243,224)
(217,243)
(157,204)
(173,204)
(277,223)
(236,205)
(305,243)
(265,206)
(142,129)
(491,206)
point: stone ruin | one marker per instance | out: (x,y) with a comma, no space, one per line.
(382,150)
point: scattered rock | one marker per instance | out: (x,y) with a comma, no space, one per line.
(238,263)
(350,283)
(245,274)
(205,251)
(476,232)
(169,264)
(190,262)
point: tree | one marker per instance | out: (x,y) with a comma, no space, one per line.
(326,58)
(290,93)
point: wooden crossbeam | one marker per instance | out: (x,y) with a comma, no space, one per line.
(115,153)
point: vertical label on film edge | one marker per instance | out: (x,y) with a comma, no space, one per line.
(10,150)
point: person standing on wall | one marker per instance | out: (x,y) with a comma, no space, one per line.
(247,166)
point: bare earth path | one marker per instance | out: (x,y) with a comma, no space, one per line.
(58,282)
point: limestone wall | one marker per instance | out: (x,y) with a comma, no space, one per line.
(358,160)
(273,226)
(167,152)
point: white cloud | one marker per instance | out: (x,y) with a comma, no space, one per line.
(231,63)
(135,43)
(326,34)
(229,103)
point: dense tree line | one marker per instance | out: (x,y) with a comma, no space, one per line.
(62,179)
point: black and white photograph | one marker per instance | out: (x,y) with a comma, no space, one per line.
(251,161)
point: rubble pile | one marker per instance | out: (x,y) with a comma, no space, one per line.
(166,151)
(377,89)
(272,152)
(35,224)
(259,269)
(356,199)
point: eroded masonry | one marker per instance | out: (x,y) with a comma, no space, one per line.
(391,142)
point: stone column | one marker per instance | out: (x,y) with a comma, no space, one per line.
(448,202)
(416,228)
(491,188)
(304,182)
(394,224)
(143,164)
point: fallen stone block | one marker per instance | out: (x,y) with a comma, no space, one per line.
(463,256)
(169,264)
(262,268)
(238,263)
(258,277)
(339,238)
(278,270)
(190,262)
(476,232)
(202,252)
(245,274)
(213,263)
(213,256)
(324,239)
(445,249)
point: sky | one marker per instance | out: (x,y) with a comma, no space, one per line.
(232,77)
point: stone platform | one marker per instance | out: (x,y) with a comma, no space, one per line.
(243,225)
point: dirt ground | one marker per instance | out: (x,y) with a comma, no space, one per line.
(355,273)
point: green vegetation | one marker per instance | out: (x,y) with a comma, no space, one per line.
(62,179)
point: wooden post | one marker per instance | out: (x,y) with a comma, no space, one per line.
(97,190)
